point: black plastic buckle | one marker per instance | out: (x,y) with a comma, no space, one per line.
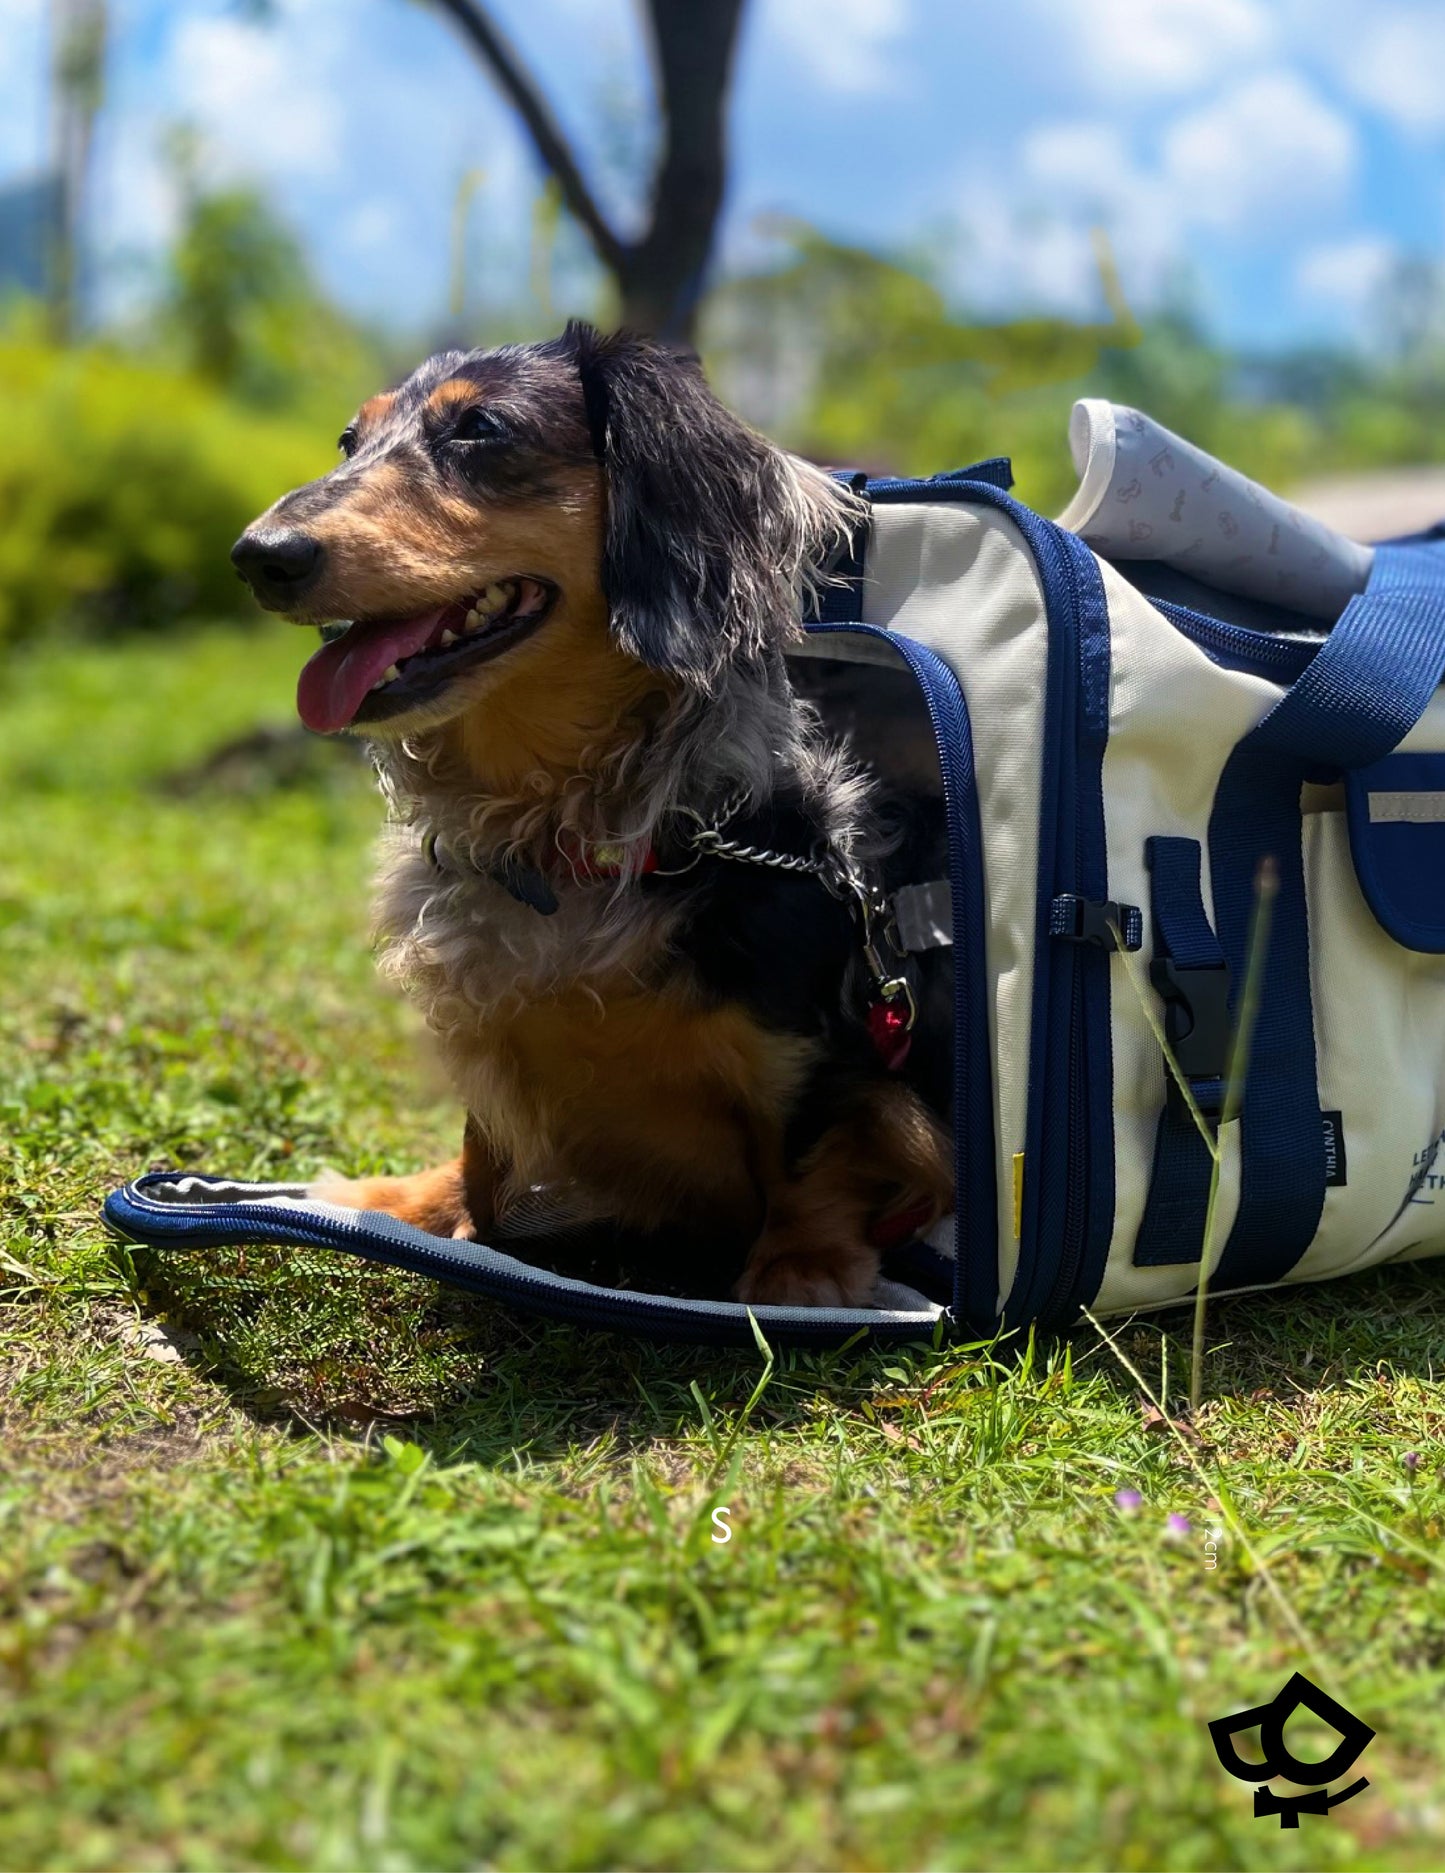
(1087,920)
(1196,1016)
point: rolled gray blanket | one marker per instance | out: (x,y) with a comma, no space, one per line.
(1145,493)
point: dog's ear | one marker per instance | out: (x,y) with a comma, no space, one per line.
(713,533)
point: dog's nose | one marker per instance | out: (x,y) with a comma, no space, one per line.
(277,564)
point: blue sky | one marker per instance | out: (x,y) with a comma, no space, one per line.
(1279,155)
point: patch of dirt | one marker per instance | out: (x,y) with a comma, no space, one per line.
(69,1465)
(267,759)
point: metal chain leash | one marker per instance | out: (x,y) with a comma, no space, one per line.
(838,875)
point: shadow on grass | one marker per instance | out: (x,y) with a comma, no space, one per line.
(1306,1338)
(326,1343)
(321,1343)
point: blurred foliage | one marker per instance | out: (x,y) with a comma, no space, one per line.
(242,309)
(123,484)
(128,466)
(858,358)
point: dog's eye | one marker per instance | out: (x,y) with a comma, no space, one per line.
(347,441)
(479,424)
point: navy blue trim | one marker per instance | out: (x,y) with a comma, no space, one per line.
(1234,647)
(1068,1189)
(997,471)
(976,1235)
(1369,682)
(840,601)
(500,1277)
(1187,960)
(1400,863)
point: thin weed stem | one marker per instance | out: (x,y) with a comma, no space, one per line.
(1219,1490)
(1265,891)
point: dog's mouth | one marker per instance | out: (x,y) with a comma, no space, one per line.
(381,667)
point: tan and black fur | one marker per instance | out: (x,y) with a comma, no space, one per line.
(685,1047)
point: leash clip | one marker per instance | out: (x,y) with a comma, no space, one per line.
(892,1007)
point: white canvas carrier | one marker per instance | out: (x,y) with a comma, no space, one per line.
(1133,709)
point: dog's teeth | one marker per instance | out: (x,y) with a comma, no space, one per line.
(390,673)
(379,684)
(495,597)
(449,637)
(474,618)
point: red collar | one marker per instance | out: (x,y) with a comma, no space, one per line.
(609,859)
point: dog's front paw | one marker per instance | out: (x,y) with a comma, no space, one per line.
(434,1201)
(841,1277)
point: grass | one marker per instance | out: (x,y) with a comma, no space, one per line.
(305,1564)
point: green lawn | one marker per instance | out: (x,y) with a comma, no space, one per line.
(312,1565)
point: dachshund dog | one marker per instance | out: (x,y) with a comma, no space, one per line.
(616,874)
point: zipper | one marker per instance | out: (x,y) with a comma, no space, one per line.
(1081,1174)
(1081,700)
(975,1292)
(1068,1207)
(1235,647)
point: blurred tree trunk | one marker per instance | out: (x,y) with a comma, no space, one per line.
(661,273)
(77,81)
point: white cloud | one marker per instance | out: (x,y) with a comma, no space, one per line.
(1014,257)
(357,117)
(1160,48)
(1390,58)
(266,107)
(845,47)
(1084,175)
(1263,151)
(1266,150)
(1346,275)
(1082,164)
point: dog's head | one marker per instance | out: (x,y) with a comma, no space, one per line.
(513,511)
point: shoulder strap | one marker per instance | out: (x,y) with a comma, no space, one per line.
(1373,677)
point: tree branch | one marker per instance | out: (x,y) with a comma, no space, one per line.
(476,25)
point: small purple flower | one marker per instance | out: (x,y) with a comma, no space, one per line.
(1128,1500)
(1177,1524)
(1411,1460)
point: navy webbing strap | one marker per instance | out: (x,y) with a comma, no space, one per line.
(1188,969)
(841,600)
(1368,684)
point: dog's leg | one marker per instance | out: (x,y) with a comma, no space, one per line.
(888,1159)
(453,1199)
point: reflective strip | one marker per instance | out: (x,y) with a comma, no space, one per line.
(1419,809)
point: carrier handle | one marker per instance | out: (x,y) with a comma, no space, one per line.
(1364,690)
(1374,676)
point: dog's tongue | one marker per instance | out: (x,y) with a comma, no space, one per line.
(337,679)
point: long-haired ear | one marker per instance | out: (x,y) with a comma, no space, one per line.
(713,533)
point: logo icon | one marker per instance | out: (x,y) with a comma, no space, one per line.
(1280,1760)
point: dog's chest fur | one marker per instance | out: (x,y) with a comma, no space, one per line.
(652,1042)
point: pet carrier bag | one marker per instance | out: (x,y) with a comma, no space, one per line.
(1132,709)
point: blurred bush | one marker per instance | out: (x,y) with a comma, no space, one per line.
(123,485)
(241,308)
(860,359)
(129,465)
